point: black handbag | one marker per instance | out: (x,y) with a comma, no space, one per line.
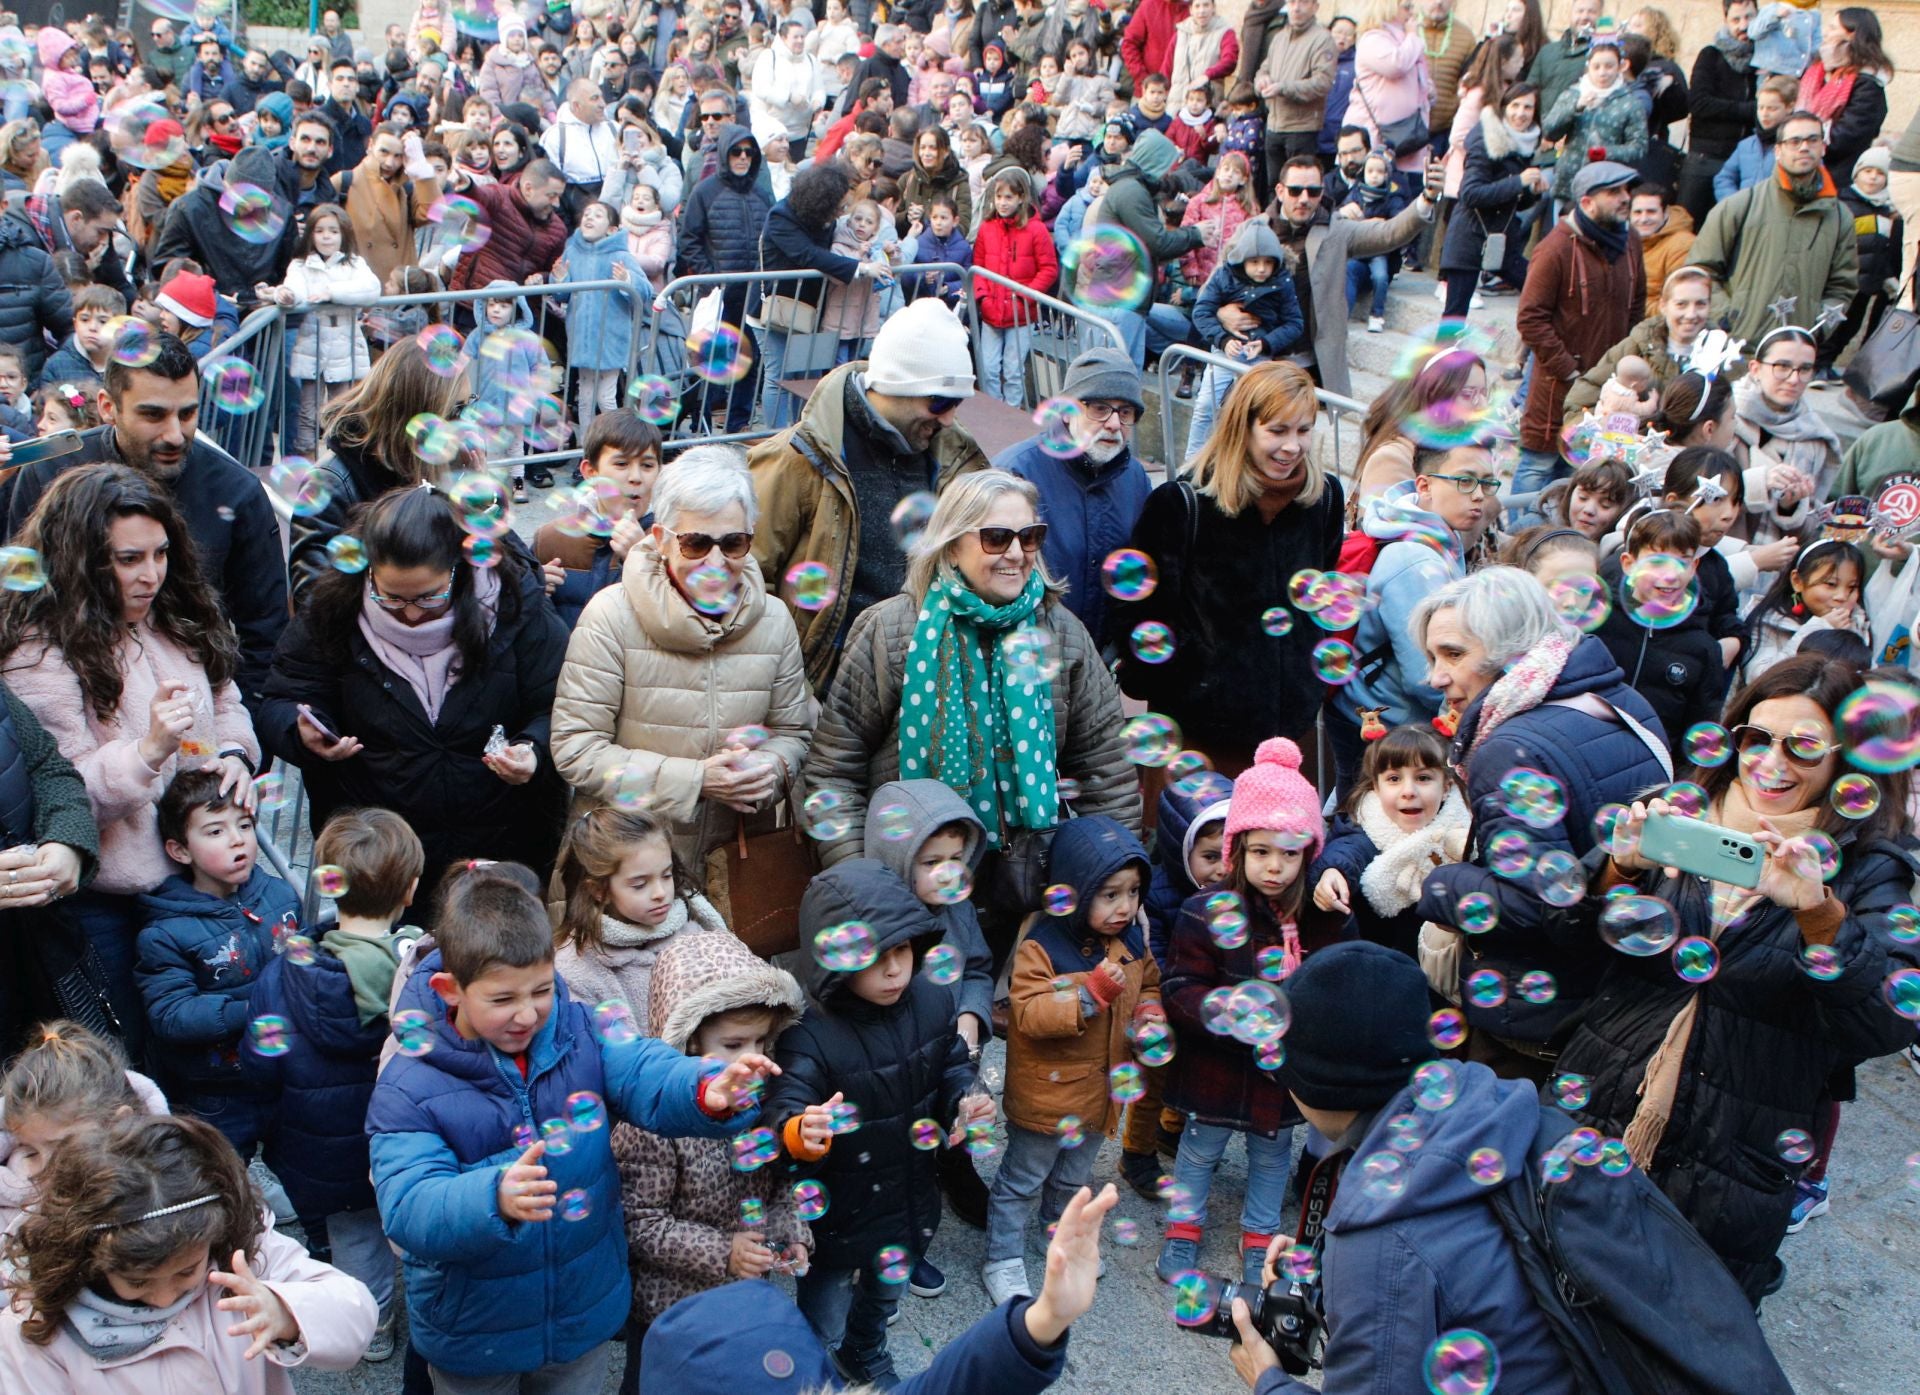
(71,970)
(1402,137)
(1886,366)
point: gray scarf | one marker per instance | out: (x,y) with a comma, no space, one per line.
(110,1330)
(624,971)
(1737,52)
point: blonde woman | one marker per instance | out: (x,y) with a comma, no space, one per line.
(1390,79)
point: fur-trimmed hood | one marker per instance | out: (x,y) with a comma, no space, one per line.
(697,976)
(1500,137)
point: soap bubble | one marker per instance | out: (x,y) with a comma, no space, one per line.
(1487,1167)
(1151,739)
(1333,661)
(1152,642)
(236,388)
(952,881)
(719,354)
(481,552)
(575,1204)
(1125,1083)
(1383,1176)
(979,1139)
(1436,1085)
(1062,423)
(1059,899)
(1903,923)
(1126,1233)
(1696,959)
(846,948)
(1537,986)
(299,486)
(1486,988)
(653,399)
(910,517)
(1795,1146)
(1879,727)
(1276,620)
(412,1031)
(136,142)
(443,349)
(809,1200)
(271,1035)
(330,881)
(1533,796)
(462,223)
(1707,745)
(250,214)
(1109,269)
(1638,925)
(1661,591)
(1821,963)
(1476,913)
(558,1139)
(925,1135)
(1509,854)
(942,965)
(20,569)
(1195,1298)
(1855,796)
(1031,655)
(586,1112)
(613,1023)
(1447,1028)
(1560,878)
(1152,1041)
(1581,601)
(1462,1362)
(826,816)
(893,822)
(1070,1131)
(843,1117)
(1128,574)
(432,438)
(347,553)
(811,585)
(1902,992)
(1571,1092)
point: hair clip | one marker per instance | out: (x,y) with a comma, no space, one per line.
(157,1212)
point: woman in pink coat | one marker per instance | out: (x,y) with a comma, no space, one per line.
(143,1230)
(127,660)
(1494,66)
(1390,81)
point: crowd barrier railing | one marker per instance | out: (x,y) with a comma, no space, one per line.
(1343,415)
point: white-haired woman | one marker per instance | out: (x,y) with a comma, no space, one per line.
(977,675)
(1534,694)
(672,675)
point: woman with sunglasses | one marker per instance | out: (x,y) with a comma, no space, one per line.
(978,676)
(683,687)
(422,683)
(22,157)
(1260,507)
(1721,1080)
(1774,426)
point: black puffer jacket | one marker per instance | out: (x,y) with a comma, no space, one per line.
(720,229)
(195,227)
(1595,760)
(1229,681)
(430,773)
(896,1064)
(32,296)
(1490,195)
(353,477)
(1768,1037)
(1676,668)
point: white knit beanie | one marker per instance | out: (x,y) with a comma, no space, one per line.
(922,351)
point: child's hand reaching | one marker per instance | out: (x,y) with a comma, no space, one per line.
(266,1319)
(974,1109)
(750,1259)
(553,573)
(625,534)
(525,1192)
(1106,983)
(722,1095)
(816,1123)
(1332,892)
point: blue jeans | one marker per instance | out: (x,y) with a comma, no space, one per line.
(1003,356)
(848,1307)
(776,403)
(1149,331)
(1269,1160)
(1360,271)
(1215,384)
(360,1249)
(1537,469)
(1034,1164)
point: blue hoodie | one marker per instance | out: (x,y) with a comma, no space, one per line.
(599,323)
(511,366)
(748,1339)
(1400,1269)
(1418,555)
(1188,807)
(1272,302)
(486,1296)
(199,957)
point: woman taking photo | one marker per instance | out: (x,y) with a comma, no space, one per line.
(369,449)
(936,681)
(126,659)
(668,668)
(1846,87)
(1390,81)
(1598,118)
(1706,1083)
(1498,183)
(423,684)
(1259,508)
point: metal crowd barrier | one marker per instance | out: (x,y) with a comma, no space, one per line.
(1337,409)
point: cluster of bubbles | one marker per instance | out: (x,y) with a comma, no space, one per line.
(1334,601)
(1533,797)
(846,948)
(1226,919)
(754,1149)
(1254,1013)
(1109,269)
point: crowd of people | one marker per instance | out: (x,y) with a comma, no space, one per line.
(1527,799)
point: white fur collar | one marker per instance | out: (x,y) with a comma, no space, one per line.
(1393,879)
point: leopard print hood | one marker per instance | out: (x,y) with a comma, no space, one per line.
(697,976)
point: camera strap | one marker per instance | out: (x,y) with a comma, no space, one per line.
(1316,1197)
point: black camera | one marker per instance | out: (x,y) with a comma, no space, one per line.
(1287,1315)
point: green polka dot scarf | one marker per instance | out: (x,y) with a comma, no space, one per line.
(974,722)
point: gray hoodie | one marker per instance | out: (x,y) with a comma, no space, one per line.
(901,816)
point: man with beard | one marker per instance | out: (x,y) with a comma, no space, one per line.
(1092,497)
(1586,287)
(387,196)
(353,128)
(872,434)
(150,414)
(1349,163)
(1318,245)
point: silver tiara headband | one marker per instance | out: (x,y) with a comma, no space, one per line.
(157,1212)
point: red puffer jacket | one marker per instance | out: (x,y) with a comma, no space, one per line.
(1022,253)
(519,244)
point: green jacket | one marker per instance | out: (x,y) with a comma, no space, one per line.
(1759,246)
(61,810)
(1129,202)
(1891,448)
(1557,67)
(1647,339)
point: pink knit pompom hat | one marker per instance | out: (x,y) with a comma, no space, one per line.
(1272,794)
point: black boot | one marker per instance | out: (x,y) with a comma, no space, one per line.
(1142,1173)
(966,1193)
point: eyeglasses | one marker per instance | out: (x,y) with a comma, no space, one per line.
(436,600)
(1808,141)
(694,546)
(1802,748)
(1101,411)
(1298,190)
(1790,370)
(1473,486)
(940,406)
(995,541)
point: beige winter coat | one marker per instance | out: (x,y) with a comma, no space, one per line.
(1303,65)
(651,688)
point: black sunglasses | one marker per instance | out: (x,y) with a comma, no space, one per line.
(994,541)
(1298,189)
(713,116)
(940,406)
(694,546)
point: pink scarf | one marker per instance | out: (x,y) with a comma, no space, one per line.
(425,654)
(1823,93)
(1523,687)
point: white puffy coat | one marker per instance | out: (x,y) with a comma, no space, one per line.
(327,342)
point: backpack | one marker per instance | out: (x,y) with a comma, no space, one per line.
(1358,552)
(1634,1296)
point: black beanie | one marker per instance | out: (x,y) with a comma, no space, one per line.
(1359,1026)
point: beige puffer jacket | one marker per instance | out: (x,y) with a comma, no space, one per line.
(857,747)
(682,1196)
(651,688)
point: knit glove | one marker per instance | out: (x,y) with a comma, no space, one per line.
(418,165)
(1105,985)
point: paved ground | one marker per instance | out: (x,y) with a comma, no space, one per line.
(1847,1323)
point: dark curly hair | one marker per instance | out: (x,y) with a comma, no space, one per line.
(87,1222)
(80,609)
(816,195)
(416,528)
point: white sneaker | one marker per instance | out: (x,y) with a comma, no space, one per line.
(1375,324)
(1478,302)
(1440,291)
(1006,1279)
(1913,1057)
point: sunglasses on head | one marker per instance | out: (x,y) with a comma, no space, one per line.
(694,546)
(994,541)
(1802,748)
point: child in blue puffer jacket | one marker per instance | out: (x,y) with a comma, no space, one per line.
(333,999)
(210,933)
(1252,275)
(490,1146)
(507,362)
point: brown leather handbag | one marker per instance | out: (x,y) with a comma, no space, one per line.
(756,881)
